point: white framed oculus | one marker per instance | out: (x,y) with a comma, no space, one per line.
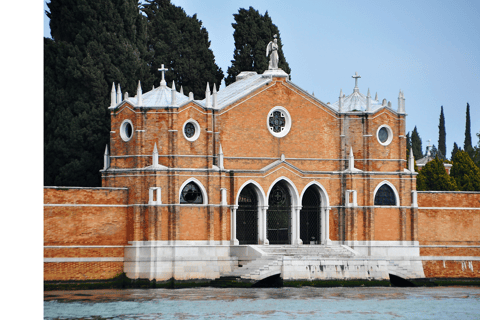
(191,130)
(279,122)
(126,130)
(384,135)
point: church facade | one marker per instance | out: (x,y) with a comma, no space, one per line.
(196,189)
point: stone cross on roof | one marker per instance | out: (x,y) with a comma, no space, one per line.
(356,76)
(162,70)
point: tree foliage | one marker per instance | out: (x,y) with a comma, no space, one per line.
(467,144)
(94,44)
(252,33)
(454,150)
(416,144)
(181,44)
(442,135)
(434,177)
(465,172)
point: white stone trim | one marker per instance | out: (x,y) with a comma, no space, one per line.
(202,188)
(151,195)
(95,259)
(72,247)
(397,198)
(262,199)
(288,122)
(123,134)
(197,130)
(390,135)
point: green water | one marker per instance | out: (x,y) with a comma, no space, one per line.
(269,303)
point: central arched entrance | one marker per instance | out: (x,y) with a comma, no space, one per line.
(310,220)
(279,227)
(247,216)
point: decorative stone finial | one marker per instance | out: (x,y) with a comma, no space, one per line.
(106,159)
(351,160)
(207,96)
(155,156)
(214,96)
(174,96)
(220,157)
(163,70)
(119,94)
(190,96)
(181,90)
(376,96)
(411,159)
(139,94)
(113,96)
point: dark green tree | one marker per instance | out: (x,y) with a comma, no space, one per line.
(252,33)
(467,144)
(94,43)
(416,144)
(180,43)
(434,177)
(442,135)
(465,172)
(408,143)
(454,150)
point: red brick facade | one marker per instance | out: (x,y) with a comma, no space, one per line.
(315,152)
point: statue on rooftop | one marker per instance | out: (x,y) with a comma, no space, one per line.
(272,50)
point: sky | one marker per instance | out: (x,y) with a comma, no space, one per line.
(429,49)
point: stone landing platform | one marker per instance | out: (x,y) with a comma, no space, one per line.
(254,263)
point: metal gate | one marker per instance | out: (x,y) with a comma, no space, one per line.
(278,215)
(247,217)
(310,217)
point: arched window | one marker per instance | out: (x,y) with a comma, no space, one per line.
(191,194)
(385,196)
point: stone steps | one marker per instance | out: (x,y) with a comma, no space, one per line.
(322,251)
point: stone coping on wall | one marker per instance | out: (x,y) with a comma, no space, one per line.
(86,188)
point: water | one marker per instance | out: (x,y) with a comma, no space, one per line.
(268,303)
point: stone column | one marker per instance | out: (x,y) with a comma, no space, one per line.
(327,227)
(233,223)
(296,226)
(263,225)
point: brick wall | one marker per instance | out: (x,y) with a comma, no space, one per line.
(448,226)
(82,224)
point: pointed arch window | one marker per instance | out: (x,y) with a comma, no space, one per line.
(191,194)
(385,196)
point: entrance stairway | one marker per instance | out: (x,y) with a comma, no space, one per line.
(271,261)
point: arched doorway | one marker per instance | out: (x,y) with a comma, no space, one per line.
(247,216)
(279,227)
(310,220)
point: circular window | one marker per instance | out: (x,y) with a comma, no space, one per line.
(384,135)
(126,130)
(279,122)
(191,130)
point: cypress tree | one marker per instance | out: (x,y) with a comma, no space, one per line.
(409,144)
(95,43)
(465,172)
(455,150)
(434,177)
(467,144)
(442,147)
(180,43)
(416,144)
(252,33)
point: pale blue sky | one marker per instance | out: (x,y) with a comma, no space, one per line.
(429,49)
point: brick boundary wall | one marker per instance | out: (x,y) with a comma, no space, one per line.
(449,226)
(85,232)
